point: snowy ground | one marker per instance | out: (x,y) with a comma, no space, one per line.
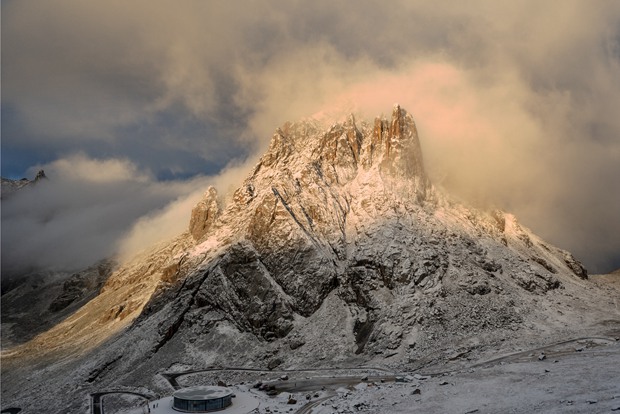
(581,382)
(579,376)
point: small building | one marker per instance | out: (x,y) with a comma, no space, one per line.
(202,399)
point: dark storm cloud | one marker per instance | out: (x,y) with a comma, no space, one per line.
(515,102)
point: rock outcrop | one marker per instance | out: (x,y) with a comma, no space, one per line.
(40,176)
(204,214)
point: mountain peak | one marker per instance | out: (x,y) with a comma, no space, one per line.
(345,150)
(403,153)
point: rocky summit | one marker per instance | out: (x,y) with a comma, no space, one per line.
(337,250)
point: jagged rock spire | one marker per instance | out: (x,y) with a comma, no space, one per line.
(402,155)
(40,176)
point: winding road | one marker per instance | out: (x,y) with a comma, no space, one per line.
(96,399)
(171,377)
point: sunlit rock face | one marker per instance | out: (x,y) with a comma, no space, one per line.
(204,214)
(402,155)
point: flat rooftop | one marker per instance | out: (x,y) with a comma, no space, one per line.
(202,393)
(243,403)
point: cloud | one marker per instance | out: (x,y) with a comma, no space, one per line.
(91,209)
(78,168)
(75,217)
(515,103)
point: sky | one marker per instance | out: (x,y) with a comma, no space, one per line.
(134,107)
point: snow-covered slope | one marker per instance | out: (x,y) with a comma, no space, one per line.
(336,250)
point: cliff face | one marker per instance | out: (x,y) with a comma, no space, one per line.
(336,247)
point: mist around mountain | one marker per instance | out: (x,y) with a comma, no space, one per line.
(89,210)
(337,251)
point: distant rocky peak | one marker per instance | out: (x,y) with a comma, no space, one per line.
(40,176)
(9,187)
